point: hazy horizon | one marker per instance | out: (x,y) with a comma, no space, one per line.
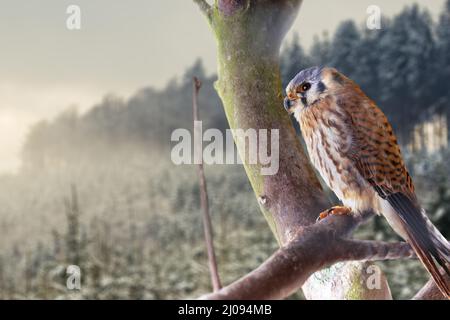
(121,47)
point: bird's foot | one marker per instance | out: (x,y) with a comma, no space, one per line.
(336,210)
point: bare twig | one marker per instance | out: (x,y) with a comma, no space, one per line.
(314,248)
(204,7)
(204,197)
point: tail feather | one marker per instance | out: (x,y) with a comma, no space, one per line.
(428,243)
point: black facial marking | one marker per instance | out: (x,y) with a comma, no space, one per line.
(321,87)
(304,101)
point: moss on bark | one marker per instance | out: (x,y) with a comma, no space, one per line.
(249,35)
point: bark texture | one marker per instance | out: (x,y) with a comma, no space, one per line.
(249,34)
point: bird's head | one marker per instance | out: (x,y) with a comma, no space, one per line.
(309,86)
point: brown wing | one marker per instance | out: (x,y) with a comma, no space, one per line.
(377,157)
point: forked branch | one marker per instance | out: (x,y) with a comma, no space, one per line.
(249,34)
(313,248)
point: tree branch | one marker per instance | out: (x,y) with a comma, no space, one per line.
(363,250)
(313,248)
(249,34)
(429,291)
(205,8)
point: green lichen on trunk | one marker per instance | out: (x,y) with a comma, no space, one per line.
(249,35)
(360,282)
(249,85)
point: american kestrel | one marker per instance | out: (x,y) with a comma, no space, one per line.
(353,146)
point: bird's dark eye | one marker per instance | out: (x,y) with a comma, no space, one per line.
(306,86)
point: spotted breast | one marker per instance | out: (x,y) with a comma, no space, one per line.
(330,138)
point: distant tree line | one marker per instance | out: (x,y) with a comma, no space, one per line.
(134,228)
(116,127)
(404,67)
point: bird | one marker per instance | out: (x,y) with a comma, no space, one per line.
(352,145)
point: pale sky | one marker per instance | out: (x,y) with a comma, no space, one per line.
(122,46)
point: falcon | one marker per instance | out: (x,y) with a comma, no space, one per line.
(353,147)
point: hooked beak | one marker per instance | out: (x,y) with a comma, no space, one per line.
(289,105)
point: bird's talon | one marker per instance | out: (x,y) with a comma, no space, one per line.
(336,210)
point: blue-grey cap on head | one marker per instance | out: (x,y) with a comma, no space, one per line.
(311,75)
(304,89)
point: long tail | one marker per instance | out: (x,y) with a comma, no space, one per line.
(428,243)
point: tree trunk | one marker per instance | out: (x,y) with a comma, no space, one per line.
(249,34)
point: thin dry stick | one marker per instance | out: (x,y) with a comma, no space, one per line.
(204,197)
